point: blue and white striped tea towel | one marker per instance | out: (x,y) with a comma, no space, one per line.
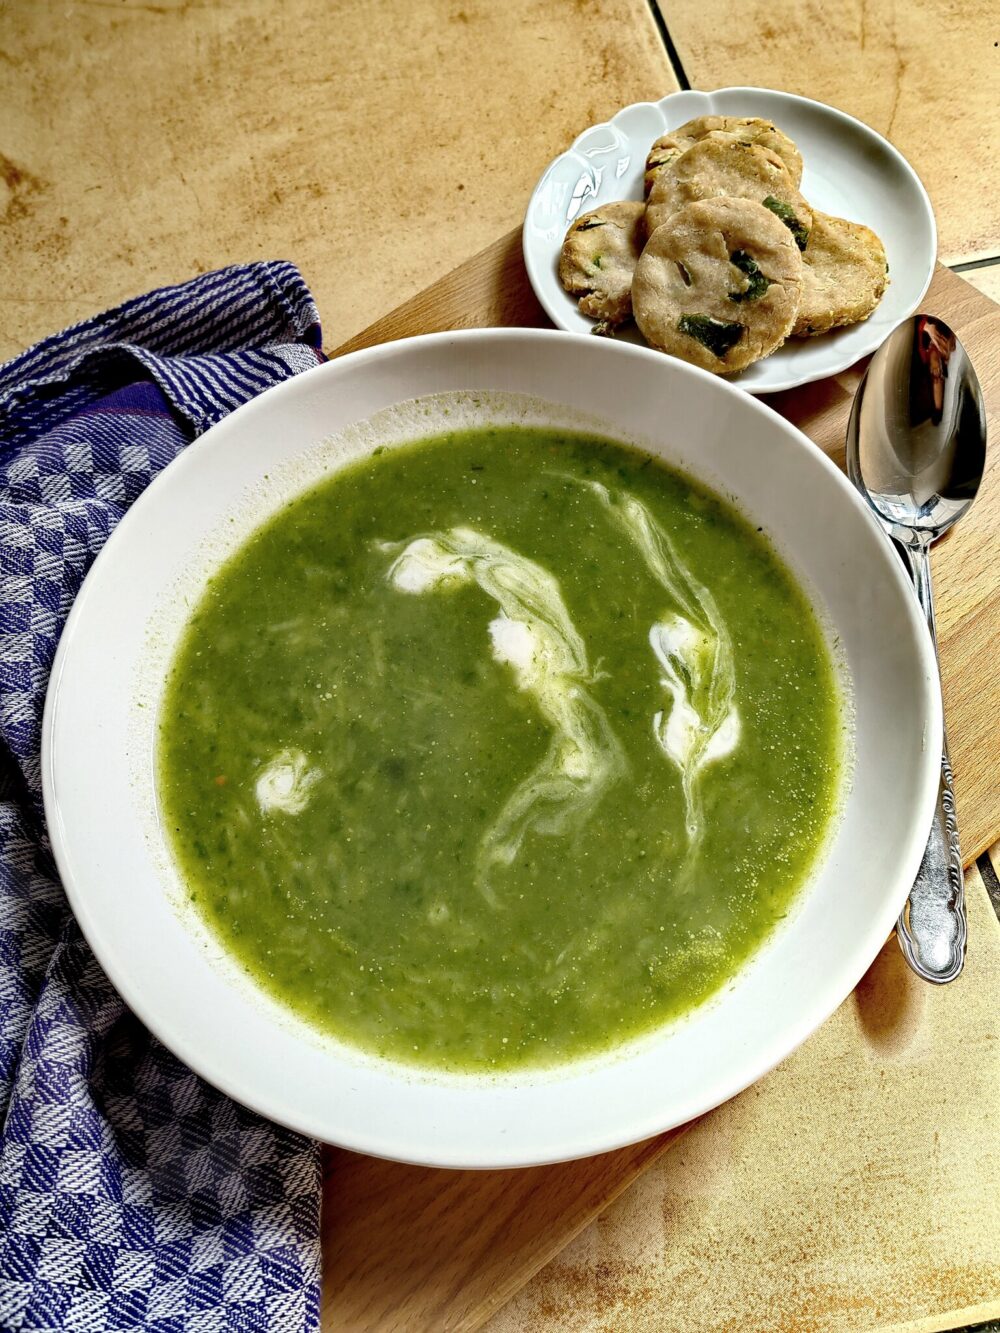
(132,1194)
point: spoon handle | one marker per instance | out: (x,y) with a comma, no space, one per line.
(932,927)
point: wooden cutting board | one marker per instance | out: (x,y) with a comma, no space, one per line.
(415,1250)
(856,1189)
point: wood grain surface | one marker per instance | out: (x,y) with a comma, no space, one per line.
(925,73)
(856,1189)
(407,1249)
(985,279)
(420,1251)
(376,144)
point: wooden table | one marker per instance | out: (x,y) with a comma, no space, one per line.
(379,145)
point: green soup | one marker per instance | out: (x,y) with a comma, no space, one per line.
(499,749)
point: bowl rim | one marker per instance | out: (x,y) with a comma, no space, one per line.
(278,1106)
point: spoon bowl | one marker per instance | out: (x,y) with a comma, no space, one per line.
(917,434)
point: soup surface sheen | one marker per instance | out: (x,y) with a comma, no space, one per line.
(499,748)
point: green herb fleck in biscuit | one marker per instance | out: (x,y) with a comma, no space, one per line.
(757,283)
(718,335)
(788,216)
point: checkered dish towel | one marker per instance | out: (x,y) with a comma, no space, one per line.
(132,1194)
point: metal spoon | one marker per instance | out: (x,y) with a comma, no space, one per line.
(916,450)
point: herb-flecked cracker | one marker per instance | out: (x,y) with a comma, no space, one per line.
(721,166)
(746,129)
(598,259)
(844,278)
(718,284)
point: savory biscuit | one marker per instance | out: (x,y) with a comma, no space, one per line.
(844,277)
(598,259)
(667,149)
(720,166)
(718,284)
(746,129)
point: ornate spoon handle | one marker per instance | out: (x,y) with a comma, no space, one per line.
(932,926)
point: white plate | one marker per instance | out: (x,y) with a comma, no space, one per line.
(849,171)
(108,676)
